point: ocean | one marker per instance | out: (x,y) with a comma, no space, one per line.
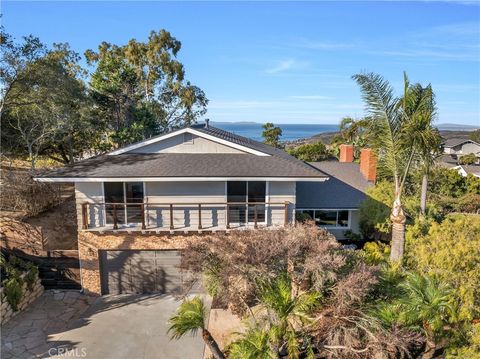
(290,131)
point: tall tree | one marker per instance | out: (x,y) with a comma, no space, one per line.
(271,134)
(14,61)
(351,131)
(418,105)
(390,124)
(140,88)
(46,108)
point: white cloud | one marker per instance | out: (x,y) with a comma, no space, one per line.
(310,97)
(285,65)
(323,45)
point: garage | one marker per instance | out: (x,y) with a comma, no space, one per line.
(142,271)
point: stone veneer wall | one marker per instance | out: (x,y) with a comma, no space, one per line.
(89,244)
(28,296)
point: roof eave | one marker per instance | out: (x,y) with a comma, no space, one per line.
(180,179)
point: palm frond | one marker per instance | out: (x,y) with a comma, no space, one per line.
(190,317)
(253,344)
(383,117)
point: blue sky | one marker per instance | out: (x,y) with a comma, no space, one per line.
(286,62)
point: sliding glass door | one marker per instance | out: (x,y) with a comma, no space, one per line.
(242,196)
(124,195)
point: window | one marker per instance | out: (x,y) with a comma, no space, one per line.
(124,195)
(239,192)
(187,138)
(329,218)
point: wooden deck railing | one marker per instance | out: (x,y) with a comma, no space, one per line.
(112,209)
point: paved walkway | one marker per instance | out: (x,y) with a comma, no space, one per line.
(67,324)
(33,332)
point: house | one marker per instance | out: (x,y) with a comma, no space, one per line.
(465,170)
(458,147)
(137,205)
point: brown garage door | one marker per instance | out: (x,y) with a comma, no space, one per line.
(133,271)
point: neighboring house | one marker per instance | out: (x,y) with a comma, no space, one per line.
(465,170)
(137,205)
(460,147)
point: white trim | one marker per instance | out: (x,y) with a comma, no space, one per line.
(185,130)
(178,179)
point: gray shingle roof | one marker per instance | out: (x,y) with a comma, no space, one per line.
(472,169)
(278,164)
(453,142)
(185,165)
(344,189)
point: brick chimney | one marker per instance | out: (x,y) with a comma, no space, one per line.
(346,153)
(368,164)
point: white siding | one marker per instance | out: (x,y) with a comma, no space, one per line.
(175,144)
(281,192)
(185,193)
(90,192)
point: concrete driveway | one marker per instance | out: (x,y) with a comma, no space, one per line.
(126,326)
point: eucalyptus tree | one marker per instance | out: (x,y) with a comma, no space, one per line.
(399,129)
(140,88)
(271,134)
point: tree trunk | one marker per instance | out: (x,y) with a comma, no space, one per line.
(423,197)
(398,231)
(212,344)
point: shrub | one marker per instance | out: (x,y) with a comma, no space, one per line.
(12,288)
(469,159)
(375,252)
(310,152)
(375,211)
(450,252)
(18,190)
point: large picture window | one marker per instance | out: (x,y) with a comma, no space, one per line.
(328,218)
(124,195)
(243,195)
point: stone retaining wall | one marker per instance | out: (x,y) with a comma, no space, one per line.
(28,296)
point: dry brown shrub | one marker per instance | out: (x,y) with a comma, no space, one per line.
(20,193)
(239,259)
(353,335)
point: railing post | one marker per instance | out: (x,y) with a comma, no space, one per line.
(199,216)
(228,217)
(286,212)
(142,208)
(171,216)
(115,219)
(85,215)
(255,216)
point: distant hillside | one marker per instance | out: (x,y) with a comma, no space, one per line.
(327,137)
(456,127)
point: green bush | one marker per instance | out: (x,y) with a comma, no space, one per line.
(375,253)
(310,152)
(12,288)
(375,211)
(469,159)
(31,276)
(450,251)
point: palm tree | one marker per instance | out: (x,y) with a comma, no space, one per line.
(390,124)
(428,303)
(419,106)
(190,317)
(286,312)
(254,343)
